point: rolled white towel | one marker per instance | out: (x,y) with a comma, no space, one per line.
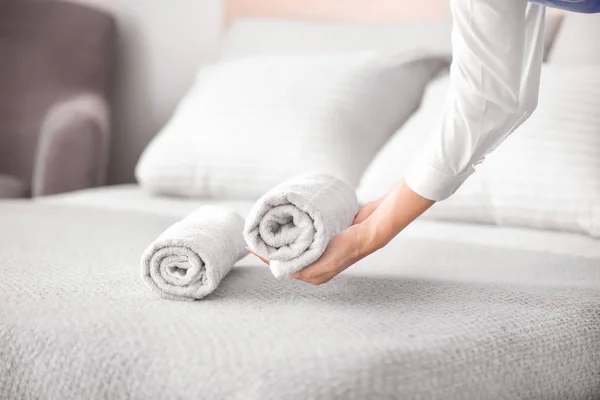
(190,258)
(292,224)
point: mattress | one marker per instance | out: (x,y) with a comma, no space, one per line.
(131,197)
(446,311)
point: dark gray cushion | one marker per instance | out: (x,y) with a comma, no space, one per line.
(52,52)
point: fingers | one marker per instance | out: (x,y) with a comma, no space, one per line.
(313,274)
(311,281)
(261,258)
(307,274)
(294,276)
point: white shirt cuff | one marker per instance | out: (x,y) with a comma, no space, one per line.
(431,183)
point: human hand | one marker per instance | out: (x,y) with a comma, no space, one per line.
(343,250)
(374,226)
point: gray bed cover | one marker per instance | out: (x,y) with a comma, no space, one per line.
(76,321)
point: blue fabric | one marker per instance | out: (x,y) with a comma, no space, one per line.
(580,6)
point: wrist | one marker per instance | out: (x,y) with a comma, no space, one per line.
(372,236)
(397,210)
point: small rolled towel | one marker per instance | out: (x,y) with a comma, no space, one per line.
(292,224)
(190,258)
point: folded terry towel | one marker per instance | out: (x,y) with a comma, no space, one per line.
(292,224)
(189,259)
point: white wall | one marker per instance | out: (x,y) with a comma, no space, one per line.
(161,44)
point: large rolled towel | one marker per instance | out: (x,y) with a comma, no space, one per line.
(292,224)
(189,259)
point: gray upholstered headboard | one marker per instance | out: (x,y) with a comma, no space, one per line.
(55,63)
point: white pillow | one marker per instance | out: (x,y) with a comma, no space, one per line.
(250,124)
(545,175)
(264,36)
(552,24)
(393,160)
(577,41)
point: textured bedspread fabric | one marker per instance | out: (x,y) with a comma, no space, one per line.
(422,320)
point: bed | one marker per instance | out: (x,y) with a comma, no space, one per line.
(448,310)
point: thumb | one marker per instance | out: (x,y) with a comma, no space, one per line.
(261,258)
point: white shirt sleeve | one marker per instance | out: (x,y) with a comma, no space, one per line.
(495,76)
